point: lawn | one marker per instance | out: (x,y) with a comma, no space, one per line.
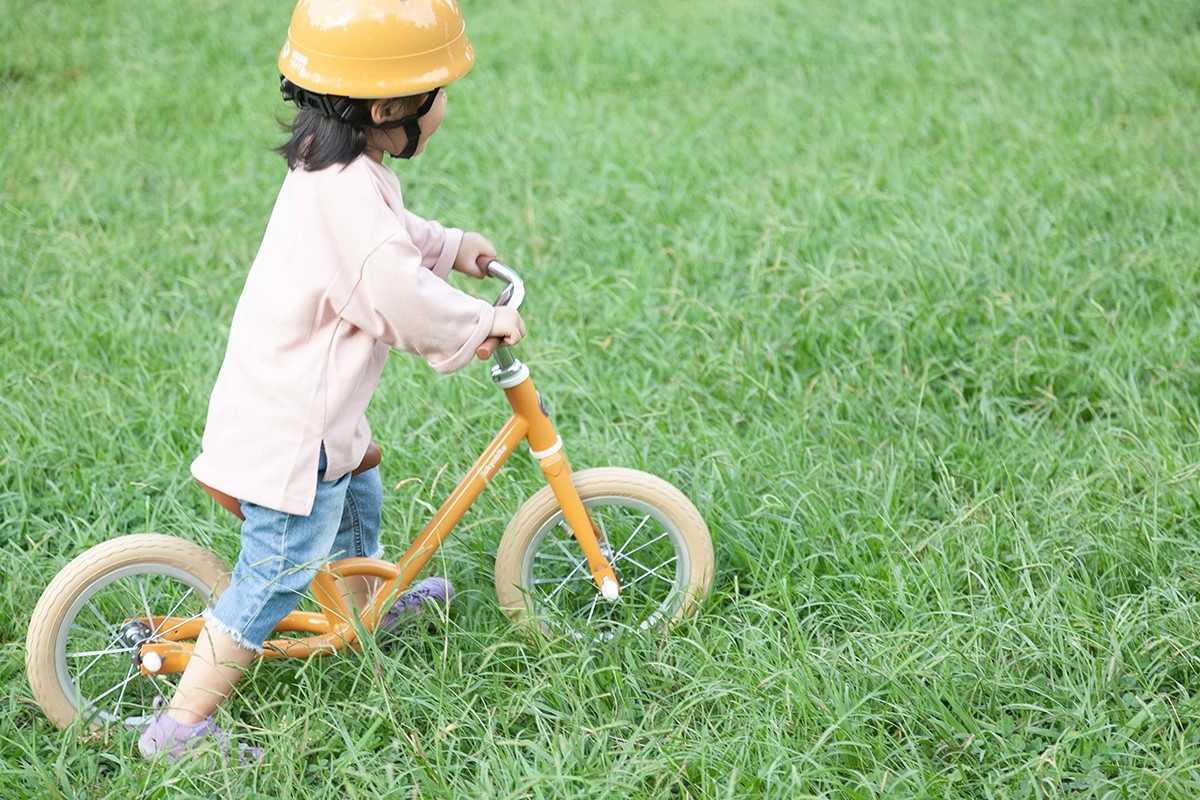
(904,295)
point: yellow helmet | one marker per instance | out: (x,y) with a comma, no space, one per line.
(375,48)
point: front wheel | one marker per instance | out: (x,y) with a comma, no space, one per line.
(86,632)
(652,535)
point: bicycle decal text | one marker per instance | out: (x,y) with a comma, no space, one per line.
(488,468)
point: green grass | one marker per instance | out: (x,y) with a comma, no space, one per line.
(905,296)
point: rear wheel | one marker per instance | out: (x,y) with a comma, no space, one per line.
(652,535)
(81,651)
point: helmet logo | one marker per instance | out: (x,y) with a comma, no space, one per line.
(299,61)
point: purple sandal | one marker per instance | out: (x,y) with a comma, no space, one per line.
(170,739)
(412,604)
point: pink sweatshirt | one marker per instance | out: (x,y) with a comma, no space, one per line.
(343,273)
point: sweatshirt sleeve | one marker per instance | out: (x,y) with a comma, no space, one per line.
(400,301)
(438,244)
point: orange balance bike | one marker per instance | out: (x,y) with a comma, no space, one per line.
(592,554)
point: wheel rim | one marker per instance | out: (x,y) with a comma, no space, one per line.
(645,549)
(97,643)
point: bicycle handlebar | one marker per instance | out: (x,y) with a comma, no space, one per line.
(512,297)
(514,294)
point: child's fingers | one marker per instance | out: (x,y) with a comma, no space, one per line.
(518,333)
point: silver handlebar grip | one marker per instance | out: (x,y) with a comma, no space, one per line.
(514,294)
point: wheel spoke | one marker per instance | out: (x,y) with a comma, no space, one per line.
(93,653)
(645,575)
(104,624)
(160,633)
(579,565)
(133,672)
(553,556)
(565,581)
(108,649)
(602,537)
(544,581)
(574,559)
(600,525)
(651,571)
(590,609)
(133,675)
(83,631)
(620,556)
(171,614)
(561,544)
(636,531)
(141,586)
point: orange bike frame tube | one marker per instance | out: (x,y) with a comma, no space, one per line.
(451,511)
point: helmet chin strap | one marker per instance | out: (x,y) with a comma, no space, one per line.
(411,125)
(345,110)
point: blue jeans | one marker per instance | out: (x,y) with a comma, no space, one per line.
(281,553)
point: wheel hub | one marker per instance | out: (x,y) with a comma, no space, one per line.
(132,635)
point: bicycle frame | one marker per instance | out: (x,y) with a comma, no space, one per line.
(333,629)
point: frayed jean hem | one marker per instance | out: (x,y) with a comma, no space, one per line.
(238,638)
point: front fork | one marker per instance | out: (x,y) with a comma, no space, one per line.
(545,445)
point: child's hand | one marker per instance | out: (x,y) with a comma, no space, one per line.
(507,328)
(474,254)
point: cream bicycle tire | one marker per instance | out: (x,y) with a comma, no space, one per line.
(62,675)
(626,505)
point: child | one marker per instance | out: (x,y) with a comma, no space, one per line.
(344,273)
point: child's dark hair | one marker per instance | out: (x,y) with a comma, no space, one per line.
(318,141)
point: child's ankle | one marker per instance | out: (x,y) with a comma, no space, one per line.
(185,717)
